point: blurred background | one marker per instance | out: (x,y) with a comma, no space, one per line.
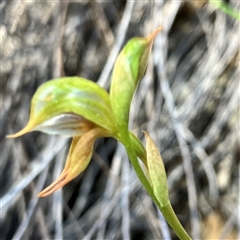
(188,101)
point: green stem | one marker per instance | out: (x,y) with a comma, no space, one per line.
(125,139)
(133,158)
(167,210)
(138,148)
(173,221)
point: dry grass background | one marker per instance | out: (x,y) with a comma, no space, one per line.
(188,102)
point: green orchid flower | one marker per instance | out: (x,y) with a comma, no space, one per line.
(79,108)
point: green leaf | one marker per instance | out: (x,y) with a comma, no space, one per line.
(226,8)
(128,70)
(70,101)
(156,172)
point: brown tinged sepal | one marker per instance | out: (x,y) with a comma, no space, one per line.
(78,159)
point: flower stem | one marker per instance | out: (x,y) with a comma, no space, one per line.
(173,221)
(166,210)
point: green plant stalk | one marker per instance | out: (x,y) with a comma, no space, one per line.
(139,148)
(166,210)
(226,9)
(173,221)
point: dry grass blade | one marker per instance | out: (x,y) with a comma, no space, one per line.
(57,204)
(125,199)
(112,183)
(37,167)
(187,165)
(123,26)
(230,224)
(102,23)
(32,207)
